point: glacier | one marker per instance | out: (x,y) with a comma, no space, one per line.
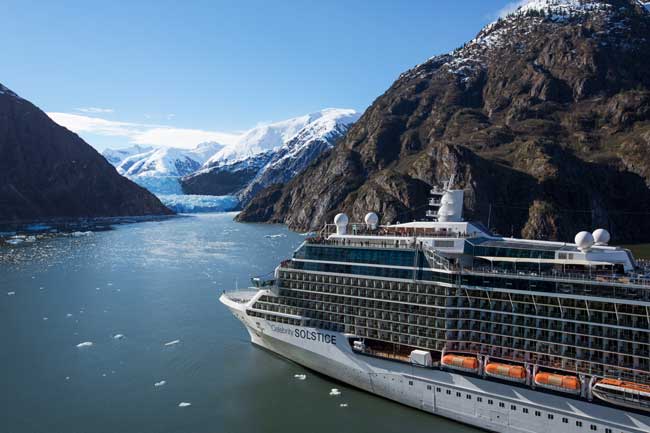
(181,203)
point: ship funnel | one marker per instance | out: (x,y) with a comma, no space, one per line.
(372,220)
(341,222)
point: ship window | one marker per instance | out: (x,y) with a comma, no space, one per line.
(513,407)
(538,413)
(525,410)
(593,427)
(565,420)
(490,402)
(429,387)
(550,416)
(448,392)
(469,397)
(579,423)
(608,430)
(479,399)
(502,405)
(438,390)
(458,394)
(411,382)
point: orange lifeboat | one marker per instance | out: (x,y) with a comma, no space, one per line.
(515,373)
(458,362)
(558,382)
(621,393)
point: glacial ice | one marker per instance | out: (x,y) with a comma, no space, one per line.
(199,203)
(184,404)
(172,343)
(300,376)
(11,293)
(85,344)
(118,336)
(335,392)
(159,384)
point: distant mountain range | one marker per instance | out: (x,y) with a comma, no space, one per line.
(543,118)
(271,153)
(48,172)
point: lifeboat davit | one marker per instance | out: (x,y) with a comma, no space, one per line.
(458,362)
(621,393)
(558,382)
(514,373)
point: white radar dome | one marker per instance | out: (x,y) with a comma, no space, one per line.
(372,220)
(601,237)
(584,240)
(341,219)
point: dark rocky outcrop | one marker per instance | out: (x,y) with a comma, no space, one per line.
(46,171)
(543,118)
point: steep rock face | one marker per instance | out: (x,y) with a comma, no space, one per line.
(46,171)
(544,118)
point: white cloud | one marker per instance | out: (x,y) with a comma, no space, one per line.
(141,133)
(96,110)
(510,8)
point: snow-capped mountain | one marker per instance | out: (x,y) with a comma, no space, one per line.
(116,156)
(159,169)
(268,154)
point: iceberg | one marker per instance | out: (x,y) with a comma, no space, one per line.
(180,203)
(85,344)
(159,384)
(184,404)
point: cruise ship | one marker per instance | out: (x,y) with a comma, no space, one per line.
(504,334)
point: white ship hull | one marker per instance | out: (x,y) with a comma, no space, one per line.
(486,404)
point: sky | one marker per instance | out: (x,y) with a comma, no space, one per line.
(175,73)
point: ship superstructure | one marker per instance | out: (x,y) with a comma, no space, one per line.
(505,334)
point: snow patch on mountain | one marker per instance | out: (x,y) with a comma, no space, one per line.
(271,137)
(269,154)
(159,169)
(116,156)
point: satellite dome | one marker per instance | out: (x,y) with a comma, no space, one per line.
(584,240)
(341,219)
(601,237)
(371,219)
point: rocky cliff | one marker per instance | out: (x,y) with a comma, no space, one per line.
(46,171)
(544,118)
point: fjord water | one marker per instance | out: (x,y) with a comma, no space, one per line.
(155,283)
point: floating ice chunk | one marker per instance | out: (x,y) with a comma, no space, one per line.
(85,344)
(103,374)
(67,378)
(343,405)
(335,391)
(171,343)
(161,383)
(118,336)
(97,288)
(41,288)
(184,404)
(44,318)
(11,293)
(15,241)
(300,376)
(68,315)
(30,239)
(279,235)
(79,234)
(109,284)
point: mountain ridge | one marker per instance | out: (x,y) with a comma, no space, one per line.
(48,172)
(548,108)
